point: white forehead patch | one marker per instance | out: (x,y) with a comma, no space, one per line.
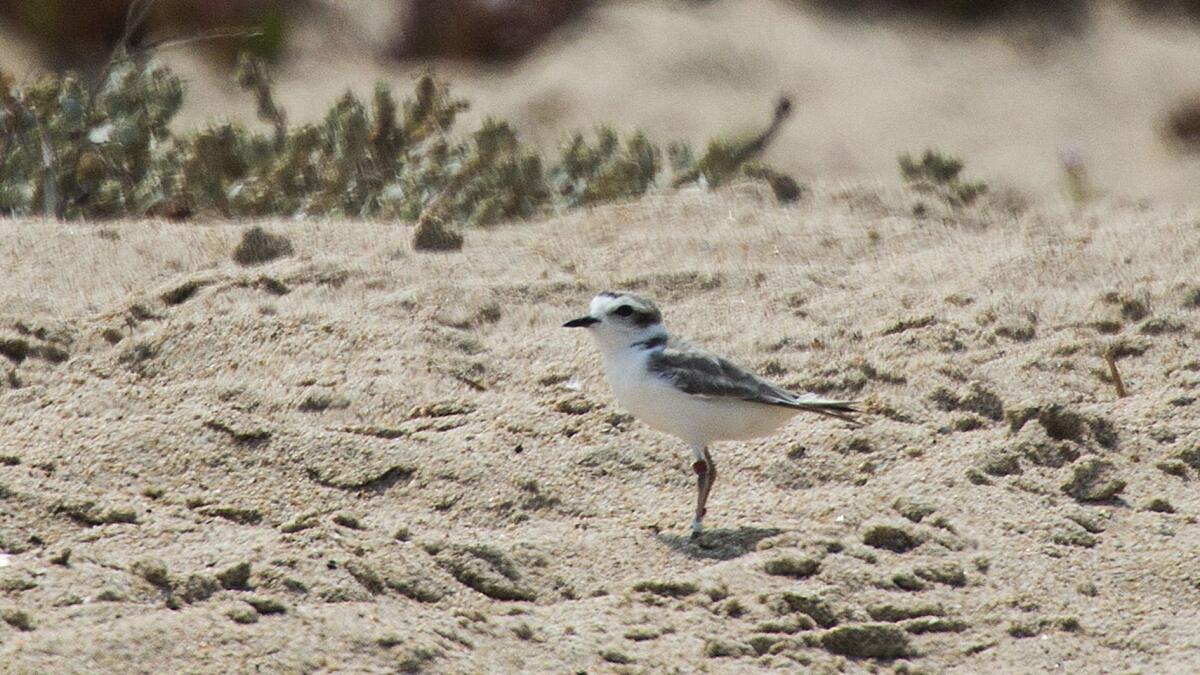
(602,303)
(605,303)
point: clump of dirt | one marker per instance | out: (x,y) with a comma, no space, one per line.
(1162,325)
(266,605)
(914,510)
(237,514)
(485,569)
(718,648)
(947,573)
(321,400)
(1002,462)
(153,570)
(242,613)
(667,588)
(259,246)
(1093,480)
(977,398)
(791,566)
(892,537)
(868,641)
(197,588)
(1072,534)
(788,625)
(814,607)
(18,618)
(373,476)
(26,342)
(1061,423)
(89,512)
(1034,444)
(177,295)
(1159,505)
(1191,457)
(15,349)
(910,323)
(935,625)
(240,429)
(432,235)
(894,613)
(235,577)
(1191,297)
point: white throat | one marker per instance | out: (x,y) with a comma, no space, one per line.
(614,342)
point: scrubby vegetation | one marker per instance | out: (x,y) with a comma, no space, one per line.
(937,173)
(76,151)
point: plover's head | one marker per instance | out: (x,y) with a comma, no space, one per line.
(620,319)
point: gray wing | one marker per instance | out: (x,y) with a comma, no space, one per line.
(701,373)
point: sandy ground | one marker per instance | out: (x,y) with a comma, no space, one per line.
(361,459)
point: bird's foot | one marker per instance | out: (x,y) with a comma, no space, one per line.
(697,529)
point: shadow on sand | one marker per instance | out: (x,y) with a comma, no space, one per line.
(719,544)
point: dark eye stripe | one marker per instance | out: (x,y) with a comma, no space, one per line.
(643,319)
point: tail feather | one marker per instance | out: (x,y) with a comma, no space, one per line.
(841,410)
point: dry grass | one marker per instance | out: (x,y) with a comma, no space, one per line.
(467,420)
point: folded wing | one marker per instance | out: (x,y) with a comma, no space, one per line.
(701,373)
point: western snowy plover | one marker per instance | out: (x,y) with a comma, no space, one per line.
(686,391)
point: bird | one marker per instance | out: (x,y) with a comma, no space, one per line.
(685,391)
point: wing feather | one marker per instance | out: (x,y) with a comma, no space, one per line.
(701,373)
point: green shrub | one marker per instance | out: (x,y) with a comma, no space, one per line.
(75,151)
(939,174)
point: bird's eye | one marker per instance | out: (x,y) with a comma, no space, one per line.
(623,310)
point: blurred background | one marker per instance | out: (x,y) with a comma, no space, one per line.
(1027,92)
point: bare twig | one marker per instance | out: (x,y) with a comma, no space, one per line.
(430,234)
(13,108)
(1111,360)
(183,41)
(51,202)
(253,77)
(717,166)
(135,16)
(756,145)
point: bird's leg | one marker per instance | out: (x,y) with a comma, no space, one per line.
(706,473)
(708,483)
(701,468)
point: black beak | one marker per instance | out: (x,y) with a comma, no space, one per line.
(581,322)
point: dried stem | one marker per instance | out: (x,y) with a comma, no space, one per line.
(51,203)
(725,158)
(203,36)
(1111,360)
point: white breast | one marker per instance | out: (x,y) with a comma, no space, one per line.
(697,420)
